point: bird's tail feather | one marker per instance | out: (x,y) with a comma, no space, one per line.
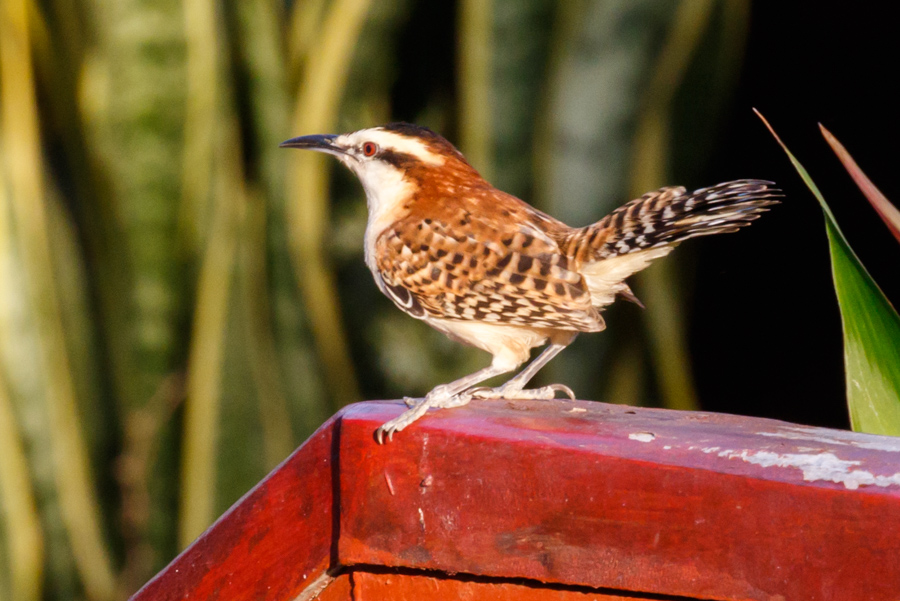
(629,238)
(669,215)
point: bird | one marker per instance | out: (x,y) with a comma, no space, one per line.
(490,271)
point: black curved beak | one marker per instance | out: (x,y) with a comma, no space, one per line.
(319,143)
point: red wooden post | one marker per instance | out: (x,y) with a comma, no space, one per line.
(578,500)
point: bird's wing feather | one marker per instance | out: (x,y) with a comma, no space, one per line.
(463,267)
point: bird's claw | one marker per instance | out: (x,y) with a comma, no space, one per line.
(418,408)
(563,389)
(400,422)
(385,428)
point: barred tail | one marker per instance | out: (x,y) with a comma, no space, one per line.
(629,238)
(668,216)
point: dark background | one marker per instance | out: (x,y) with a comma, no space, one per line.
(782,356)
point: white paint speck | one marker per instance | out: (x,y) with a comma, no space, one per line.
(422,518)
(642,436)
(819,466)
(449,522)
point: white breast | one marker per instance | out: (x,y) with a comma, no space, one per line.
(386,191)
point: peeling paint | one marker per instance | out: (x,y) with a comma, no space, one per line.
(642,436)
(874,442)
(819,466)
(315,588)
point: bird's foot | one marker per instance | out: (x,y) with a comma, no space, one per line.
(437,398)
(525,394)
(457,400)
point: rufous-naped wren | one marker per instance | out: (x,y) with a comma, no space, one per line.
(490,271)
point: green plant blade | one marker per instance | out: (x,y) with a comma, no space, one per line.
(871,329)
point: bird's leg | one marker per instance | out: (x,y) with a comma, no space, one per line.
(453,394)
(515,387)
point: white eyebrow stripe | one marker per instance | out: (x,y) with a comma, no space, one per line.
(398,143)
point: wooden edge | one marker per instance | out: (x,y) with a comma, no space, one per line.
(274,543)
(642,500)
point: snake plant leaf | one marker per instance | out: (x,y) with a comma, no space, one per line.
(871,329)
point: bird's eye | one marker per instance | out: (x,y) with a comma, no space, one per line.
(370,148)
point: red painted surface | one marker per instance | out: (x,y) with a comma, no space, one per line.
(586,494)
(340,589)
(270,545)
(530,489)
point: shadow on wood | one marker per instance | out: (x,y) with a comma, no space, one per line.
(558,500)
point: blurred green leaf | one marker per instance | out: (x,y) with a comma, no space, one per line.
(20,362)
(316,111)
(871,328)
(652,147)
(217,185)
(30,209)
(475,79)
(257,27)
(521,49)
(21,526)
(599,66)
(132,104)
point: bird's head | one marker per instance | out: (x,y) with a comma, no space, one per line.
(394,161)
